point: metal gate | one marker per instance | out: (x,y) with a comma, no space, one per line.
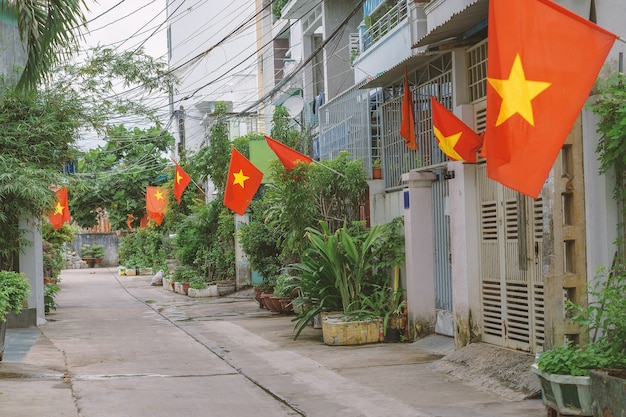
(441,242)
(511,265)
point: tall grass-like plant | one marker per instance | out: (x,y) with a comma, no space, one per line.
(346,270)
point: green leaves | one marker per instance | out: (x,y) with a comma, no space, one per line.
(14,289)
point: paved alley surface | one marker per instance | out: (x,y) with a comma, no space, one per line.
(118,347)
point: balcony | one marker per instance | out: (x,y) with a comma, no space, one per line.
(375,26)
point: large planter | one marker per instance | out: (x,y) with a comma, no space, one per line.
(565,393)
(199,293)
(225,288)
(608,392)
(338,331)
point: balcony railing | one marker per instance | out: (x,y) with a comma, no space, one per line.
(379,28)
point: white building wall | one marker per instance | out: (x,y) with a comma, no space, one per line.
(225,71)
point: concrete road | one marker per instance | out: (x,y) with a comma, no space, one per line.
(118,347)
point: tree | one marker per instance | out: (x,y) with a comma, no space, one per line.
(38,132)
(50,29)
(113,177)
(212,160)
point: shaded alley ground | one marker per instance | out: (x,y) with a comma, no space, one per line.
(118,347)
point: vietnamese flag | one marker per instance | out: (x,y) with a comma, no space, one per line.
(543,62)
(242,183)
(457,140)
(407,124)
(156,203)
(181,181)
(288,156)
(61,213)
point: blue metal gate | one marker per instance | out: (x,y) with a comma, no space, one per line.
(441,242)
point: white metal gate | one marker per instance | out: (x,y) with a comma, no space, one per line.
(511,227)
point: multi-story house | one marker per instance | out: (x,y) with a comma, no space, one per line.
(483,262)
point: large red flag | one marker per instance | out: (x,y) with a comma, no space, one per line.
(181,181)
(61,213)
(456,139)
(407,124)
(156,203)
(543,62)
(288,156)
(242,183)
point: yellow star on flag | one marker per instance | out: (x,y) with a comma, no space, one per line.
(240,178)
(178,177)
(447,143)
(58,209)
(158,195)
(517,93)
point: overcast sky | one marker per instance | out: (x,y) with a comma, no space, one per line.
(127,24)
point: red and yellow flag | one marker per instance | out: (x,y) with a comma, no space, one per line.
(543,62)
(156,203)
(407,124)
(288,156)
(456,139)
(61,212)
(181,181)
(242,183)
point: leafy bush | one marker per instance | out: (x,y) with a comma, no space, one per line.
(262,246)
(92,251)
(144,248)
(205,241)
(348,270)
(605,320)
(14,290)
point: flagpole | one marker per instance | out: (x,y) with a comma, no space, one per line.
(327,167)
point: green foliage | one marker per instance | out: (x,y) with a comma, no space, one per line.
(49,30)
(14,290)
(610,106)
(50,292)
(205,241)
(54,242)
(144,248)
(282,132)
(277,7)
(572,359)
(92,251)
(213,160)
(605,320)
(114,176)
(262,246)
(347,270)
(36,140)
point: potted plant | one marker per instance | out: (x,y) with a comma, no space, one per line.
(377,172)
(14,290)
(345,272)
(92,254)
(570,365)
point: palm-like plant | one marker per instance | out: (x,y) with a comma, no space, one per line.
(51,30)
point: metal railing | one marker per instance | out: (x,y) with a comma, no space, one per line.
(384,25)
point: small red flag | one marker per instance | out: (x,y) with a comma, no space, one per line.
(61,213)
(242,183)
(407,125)
(543,62)
(456,139)
(156,203)
(288,156)
(181,181)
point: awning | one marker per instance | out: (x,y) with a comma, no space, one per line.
(395,74)
(474,16)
